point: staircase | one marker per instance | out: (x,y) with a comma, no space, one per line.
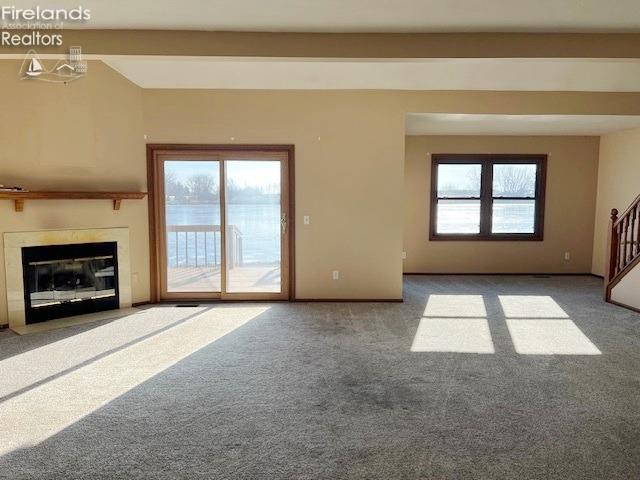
(622,272)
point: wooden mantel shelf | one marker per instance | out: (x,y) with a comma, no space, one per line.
(117,197)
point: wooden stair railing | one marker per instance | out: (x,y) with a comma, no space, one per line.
(623,245)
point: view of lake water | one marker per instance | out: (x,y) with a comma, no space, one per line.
(463,216)
(258,225)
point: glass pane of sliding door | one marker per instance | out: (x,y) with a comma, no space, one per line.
(254,226)
(193,236)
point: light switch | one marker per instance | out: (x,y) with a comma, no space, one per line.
(307,220)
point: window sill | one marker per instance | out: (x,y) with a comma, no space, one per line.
(505,237)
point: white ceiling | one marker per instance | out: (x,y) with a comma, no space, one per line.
(442,74)
(472,124)
(359,15)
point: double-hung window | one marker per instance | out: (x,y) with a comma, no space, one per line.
(487,197)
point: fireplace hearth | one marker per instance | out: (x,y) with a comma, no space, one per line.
(66,280)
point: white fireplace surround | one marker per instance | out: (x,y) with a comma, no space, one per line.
(14,241)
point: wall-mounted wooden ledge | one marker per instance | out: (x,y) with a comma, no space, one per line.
(117,197)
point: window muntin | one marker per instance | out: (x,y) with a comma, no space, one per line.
(487,197)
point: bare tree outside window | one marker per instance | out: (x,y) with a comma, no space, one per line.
(514,180)
(202,187)
(509,180)
(174,188)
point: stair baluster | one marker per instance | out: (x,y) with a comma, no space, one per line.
(623,245)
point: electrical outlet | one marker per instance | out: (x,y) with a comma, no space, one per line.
(567,256)
(336,275)
(306,219)
(404,255)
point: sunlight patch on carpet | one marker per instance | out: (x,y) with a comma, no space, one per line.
(39,413)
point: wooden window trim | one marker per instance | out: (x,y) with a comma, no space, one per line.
(486,195)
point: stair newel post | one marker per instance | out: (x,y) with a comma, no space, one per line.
(613,245)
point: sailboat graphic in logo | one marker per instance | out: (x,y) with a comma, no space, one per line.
(35,68)
(64,70)
(32,65)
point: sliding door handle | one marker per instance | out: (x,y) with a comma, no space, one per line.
(283,222)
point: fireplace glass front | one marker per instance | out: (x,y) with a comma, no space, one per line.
(65,280)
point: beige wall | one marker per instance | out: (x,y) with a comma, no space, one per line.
(570,201)
(348,166)
(618,185)
(85,135)
(349,162)
(626,291)
(350,180)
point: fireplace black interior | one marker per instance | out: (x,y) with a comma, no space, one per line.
(65,280)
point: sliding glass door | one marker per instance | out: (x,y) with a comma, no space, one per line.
(222,224)
(193,238)
(254,225)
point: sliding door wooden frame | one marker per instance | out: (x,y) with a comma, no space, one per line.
(161,237)
(157,249)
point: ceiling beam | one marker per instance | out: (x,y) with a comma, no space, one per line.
(349,45)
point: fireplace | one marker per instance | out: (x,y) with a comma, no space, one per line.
(66,280)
